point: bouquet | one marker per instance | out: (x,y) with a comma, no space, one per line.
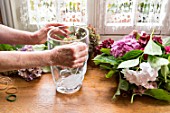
(141,62)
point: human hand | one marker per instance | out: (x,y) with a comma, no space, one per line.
(40,36)
(71,55)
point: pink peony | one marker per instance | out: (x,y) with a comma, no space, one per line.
(119,48)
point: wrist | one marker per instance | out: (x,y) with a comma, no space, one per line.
(48,58)
(53,55)
(34,37)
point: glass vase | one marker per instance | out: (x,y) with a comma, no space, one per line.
(68,80)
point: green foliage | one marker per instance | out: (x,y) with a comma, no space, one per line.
(7,47)
(165,72)
(129,63)
(132,54)
(105,50)
(157,62)
(40,47)
(103,58)
(152,48)
(123,85)
(158,94)
(166,41)
(167,86)
(110,74)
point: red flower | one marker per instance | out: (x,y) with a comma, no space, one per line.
(157,39)
(143,40)
(167,49)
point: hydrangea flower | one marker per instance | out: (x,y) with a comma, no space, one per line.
(26,48)
(30,73)
(144,77)
(119,48)
(105,44)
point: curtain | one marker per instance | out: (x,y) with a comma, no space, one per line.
(5,6)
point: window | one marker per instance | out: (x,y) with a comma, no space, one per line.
(122,16)
(108,16)
(66,11)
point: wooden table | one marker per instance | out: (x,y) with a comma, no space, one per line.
(40,96)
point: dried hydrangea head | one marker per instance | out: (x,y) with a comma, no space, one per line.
(31,73)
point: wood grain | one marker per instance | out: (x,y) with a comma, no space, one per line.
(40,96)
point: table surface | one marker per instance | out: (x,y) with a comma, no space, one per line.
(95,96)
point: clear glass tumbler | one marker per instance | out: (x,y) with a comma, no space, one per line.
(68,80)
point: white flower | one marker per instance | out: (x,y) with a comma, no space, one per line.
(142,77)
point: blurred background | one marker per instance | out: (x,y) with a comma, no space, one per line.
(111,18)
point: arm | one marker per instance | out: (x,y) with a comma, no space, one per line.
(12,36)
(70,55)
(15,60)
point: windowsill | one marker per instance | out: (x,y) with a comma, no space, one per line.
(118,37)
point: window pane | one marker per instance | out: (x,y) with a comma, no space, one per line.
(73,11)
(69,11)
(41,11)
(149,11)
(119,12)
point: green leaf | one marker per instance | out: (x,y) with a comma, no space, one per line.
(165,72)
(105,59)
(110,74)
(104,66)
(152,48)
(166,56)
(46,69)
(132,54)
(7,47)
(40,47)
(167,86)
(158,94)
(118,88)
(157,61)
(105,50)
(124,85)
(166,41)
(137,37)
(129,63)
(169,58)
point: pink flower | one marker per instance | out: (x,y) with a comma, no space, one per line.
(119,48)
(167,49)
(144,78)
(157,39)
(104,44)
(143,40)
